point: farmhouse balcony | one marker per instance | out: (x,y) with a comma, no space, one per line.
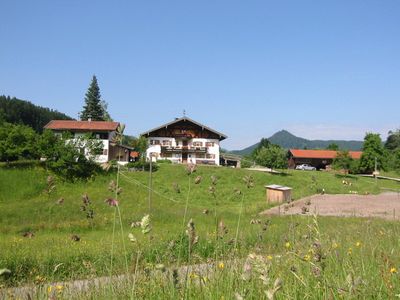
(186,149)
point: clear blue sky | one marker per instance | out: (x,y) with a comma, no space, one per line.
(320,69)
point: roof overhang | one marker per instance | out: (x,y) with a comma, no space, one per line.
(185,119)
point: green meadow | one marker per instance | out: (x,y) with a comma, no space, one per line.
(47,236)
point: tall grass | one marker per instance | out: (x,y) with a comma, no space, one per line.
(312,257)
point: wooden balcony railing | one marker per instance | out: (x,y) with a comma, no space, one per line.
(188,149)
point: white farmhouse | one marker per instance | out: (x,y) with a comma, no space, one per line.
(184,141)
(100,130)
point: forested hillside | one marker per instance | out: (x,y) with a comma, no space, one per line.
(16,111)
(287,140)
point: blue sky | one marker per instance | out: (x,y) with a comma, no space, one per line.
(320,69)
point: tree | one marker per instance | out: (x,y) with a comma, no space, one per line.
(94,108)
(17,142)
(333,146)
(140,145)
(393,140)
(343,161)
(273,157)
(264,143)
(373,149)
(68,158)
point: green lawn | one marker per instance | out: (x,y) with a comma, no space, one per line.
(52,255)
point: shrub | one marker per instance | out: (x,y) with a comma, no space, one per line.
(142,165)
(164,161)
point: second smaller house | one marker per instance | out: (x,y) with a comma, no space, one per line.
(101,130)
(316,158)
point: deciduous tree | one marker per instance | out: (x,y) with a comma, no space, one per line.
(373,149)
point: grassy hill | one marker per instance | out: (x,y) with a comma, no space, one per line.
(287,140)
(26,208)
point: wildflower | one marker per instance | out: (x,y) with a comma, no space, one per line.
(307,257)
(221,265)
(193,275)
(85,200)
(222,229)
(161,267)
(287,245)
(5,272)
(358,244)
(190,168)
(75,238)
(191,233)
(197,180)
(335,245)
(249,181)
(393,270)
(132,238)
(145,224)
(111,201)
(349,251)
(59,288)
(49,288)
(269,257)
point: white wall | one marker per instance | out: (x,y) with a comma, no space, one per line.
(156,149)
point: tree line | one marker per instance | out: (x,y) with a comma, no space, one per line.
(383,156)
(16,111)
(22,137)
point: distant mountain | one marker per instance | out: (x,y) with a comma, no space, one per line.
(287,140)
(16,111)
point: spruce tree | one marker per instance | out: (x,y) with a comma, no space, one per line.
(93,107)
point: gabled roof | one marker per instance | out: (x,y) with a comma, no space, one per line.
(322,154)
(81,125)
(186,119)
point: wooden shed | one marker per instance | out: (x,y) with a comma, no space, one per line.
(278,193)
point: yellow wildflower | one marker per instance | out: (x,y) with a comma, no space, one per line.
(193,276)
(350,251)
(358,244)
(287,245)
(335,245)
(307,257)
(221,265)
(269,257)
(393,270)
(59,288)
(49,288)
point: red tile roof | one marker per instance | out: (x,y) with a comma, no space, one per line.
(323,154)
(134,154)
(81,125)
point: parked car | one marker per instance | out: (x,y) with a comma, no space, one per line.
(305,167)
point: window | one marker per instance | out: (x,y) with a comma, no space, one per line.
(166,143)
(197,144)
(154,142)
(105,151)
(101,135)
(210,156)
(209,144)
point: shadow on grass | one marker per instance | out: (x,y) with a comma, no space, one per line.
(349,176)
(281,174)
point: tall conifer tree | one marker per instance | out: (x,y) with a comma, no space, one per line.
(93,108)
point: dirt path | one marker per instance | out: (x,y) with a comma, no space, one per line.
(386,205)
